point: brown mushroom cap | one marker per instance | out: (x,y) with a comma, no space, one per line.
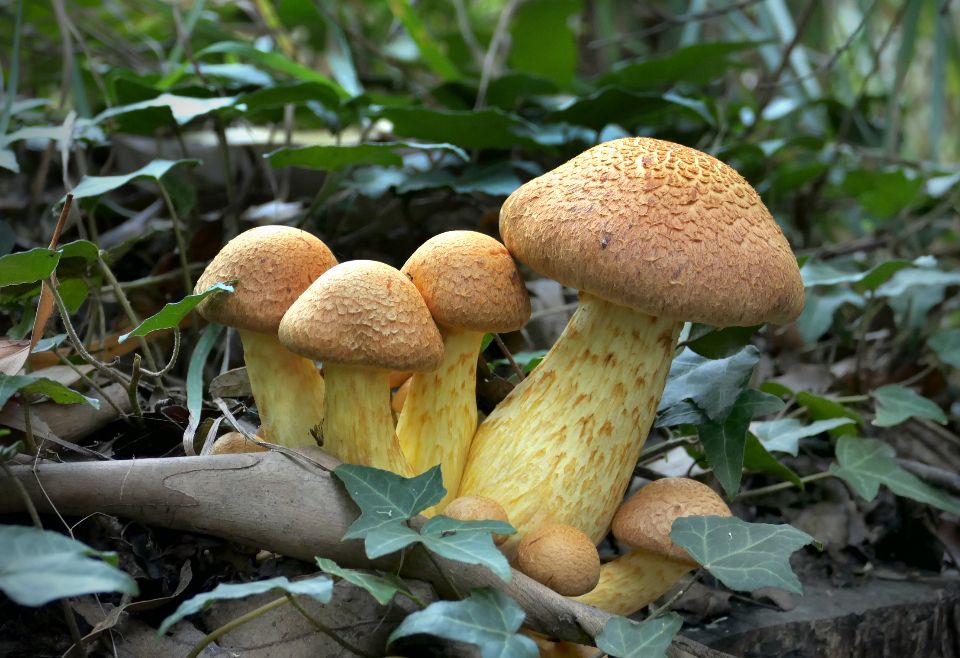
(234,443)
(658,227)
(561,557)
(478,508)
(645,519)
(469,281)
(272,265)
(363,313)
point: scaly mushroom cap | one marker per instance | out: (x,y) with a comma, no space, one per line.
(234,443)
(645,519)
(478,508)
(273,265)
(469,281)
(658,227)
(363,313)
(560,557)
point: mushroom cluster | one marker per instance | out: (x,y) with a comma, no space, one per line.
(651,234)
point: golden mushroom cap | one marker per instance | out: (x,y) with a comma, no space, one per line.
(233,443)
(561,557)
(478,508)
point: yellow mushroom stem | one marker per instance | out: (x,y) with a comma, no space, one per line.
(439,416)
(288,389)
(635,580)
(562,446)
(358,423)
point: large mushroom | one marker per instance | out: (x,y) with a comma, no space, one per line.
(271,265)
(471,286)
(655,564)
(362,319)
(652,233)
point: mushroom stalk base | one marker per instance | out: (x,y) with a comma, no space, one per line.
(562,446)
(358,423)
(439,416)
(633,581)
(288,389)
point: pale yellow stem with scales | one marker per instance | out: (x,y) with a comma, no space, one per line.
(439,416)
(561,448)
(358,424)
(288,389)
(635,580)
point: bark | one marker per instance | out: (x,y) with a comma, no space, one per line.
(285,505)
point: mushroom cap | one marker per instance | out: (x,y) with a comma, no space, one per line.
(469,281)
(234,443)
(658,227)
(272,265)
(561,557)
(478,508)
(645,519)
(363,313)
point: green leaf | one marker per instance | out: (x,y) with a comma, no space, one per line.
(385,498)
(820,307)
(628,108)
(905,281)
(295,93)
(724,443)
(882,193)
(712,384)
(273,61)
(429,50)
(756,402)
(182,109)
(698,64)
(57,392)
(470,542)
(198,359)
(623,638)
(896,404)
(27,266)
(743,556)
(331,158)
(542,41)
(39,566)
(865,464)
(946,345)
(756,457)
(487,619)
(9,452)
(487,128)
(172,313)
(319,588)
(95,186)
(784,434)
(821,408)
(818,273)
(79,249)
(719,343)
(382,587)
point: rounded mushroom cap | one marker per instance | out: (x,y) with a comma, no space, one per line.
(561,557)
(233,443)
(363,313)
(658,227)
(272,265)
(469,281)
(478,508)
(645,519)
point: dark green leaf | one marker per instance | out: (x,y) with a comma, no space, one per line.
(172,313)
(542,41)
(821,408)
(712,384)
(39,566)
(470,542)
(94,186)
(332,157)
(57,392)
(896,404)
(743,556)
(273,61)
(820,307)
(865,464)
(487,619)
(883,193)
(429,49)
(384,498)
(27,266)
(296,93)
(488,128)
(756,457)
(622,638)
(319,588)
(382,587)
(698,64)
(719,343)
(946,345)
(724,442)
(79,249)
(627,108)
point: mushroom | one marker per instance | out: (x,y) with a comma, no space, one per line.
(652,233)
(234,442)
(655,564)
(477,508)
(362,319)
(471,286)
(560,557)
(271,265)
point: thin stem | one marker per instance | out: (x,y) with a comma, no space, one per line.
(329,632)
(92,384)
(173,357)
(181,240)
(490,60)
(28,439)
(127,308)
(236,623)
(664,446)
(153,280)
(513,363)
(676,597)
(781,486)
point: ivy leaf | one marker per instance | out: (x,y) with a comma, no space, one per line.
(756,457)
(57,392)
(470,542)
(896,403)
(865,464)
(319,588)
(332,157)
(712,384)
(743,556)
(821,408)
(27,266)
(818,312)
(487,619)
(784,434)
(716,343)
(382,587)
(39,566)
(172,313)
(622,638)
(724,444)
(384,498)
(946,345)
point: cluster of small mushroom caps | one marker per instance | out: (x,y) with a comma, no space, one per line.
(650,232)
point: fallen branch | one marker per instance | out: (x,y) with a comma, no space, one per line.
(287,506)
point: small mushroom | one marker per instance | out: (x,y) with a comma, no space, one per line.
(655,563)
(233,443)
(271,265)
(362,319)
(560,557)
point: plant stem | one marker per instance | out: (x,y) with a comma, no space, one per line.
(664,446)
(329,632)
(181,240)
(236,623)
(781,486)
(28,439)
(513,362)
(127,308)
